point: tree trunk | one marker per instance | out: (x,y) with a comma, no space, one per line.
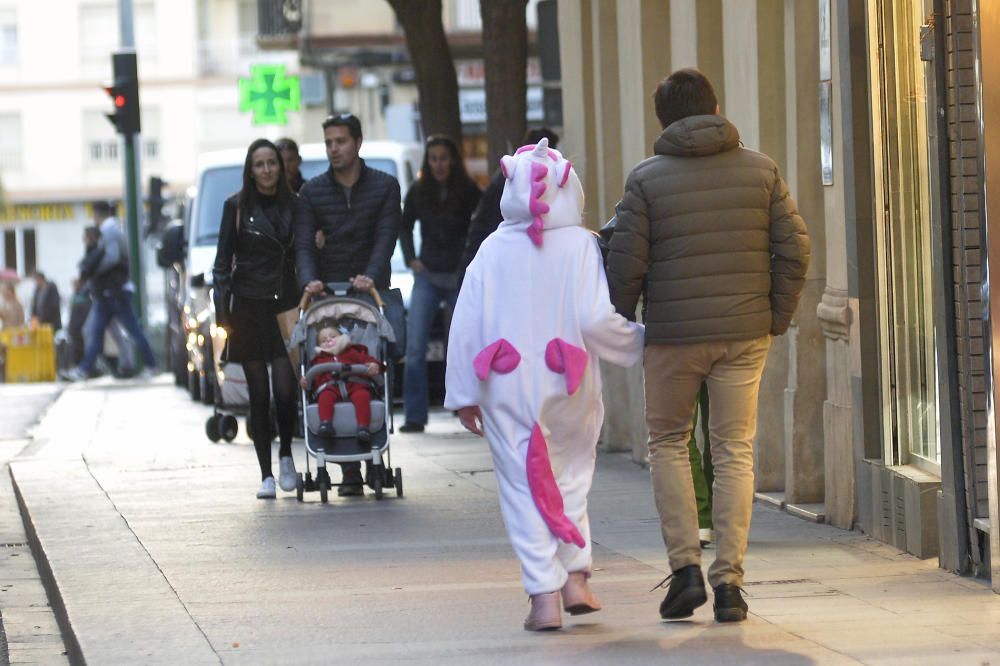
(505,60)
(437,84)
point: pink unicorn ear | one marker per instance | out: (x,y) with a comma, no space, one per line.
(507,166)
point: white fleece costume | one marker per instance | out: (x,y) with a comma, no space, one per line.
(532,319)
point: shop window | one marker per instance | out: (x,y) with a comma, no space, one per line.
(10,141)
(10,249)
(903,234)
(30,252)
(8,36)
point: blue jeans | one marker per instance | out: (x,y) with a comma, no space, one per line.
(424,302)
(116,305)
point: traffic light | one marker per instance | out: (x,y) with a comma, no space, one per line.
(124,93)
(155,202)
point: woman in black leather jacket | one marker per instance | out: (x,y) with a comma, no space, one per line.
(254,278)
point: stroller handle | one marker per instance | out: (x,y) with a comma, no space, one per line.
(372,291)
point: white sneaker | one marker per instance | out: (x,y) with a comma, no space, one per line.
(75,375)
(146,374)
(267,490)
(287,476)
(706,535)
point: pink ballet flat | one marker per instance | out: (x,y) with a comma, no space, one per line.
(577,598)
(545,614)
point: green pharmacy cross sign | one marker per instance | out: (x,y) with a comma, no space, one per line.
(268,93)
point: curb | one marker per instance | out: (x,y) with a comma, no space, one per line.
(72,645)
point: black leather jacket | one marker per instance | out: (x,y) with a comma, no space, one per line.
(264,252)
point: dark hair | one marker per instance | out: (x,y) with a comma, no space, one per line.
(537,134)
(247,196)
(38,275)
(429,189)
(348,120)
(285,143)
(686,92)
(103,208)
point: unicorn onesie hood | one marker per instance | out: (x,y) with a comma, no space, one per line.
(532,321)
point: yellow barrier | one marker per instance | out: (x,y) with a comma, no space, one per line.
(30,354)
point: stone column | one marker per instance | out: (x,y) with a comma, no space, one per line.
(837,317)
(580,132)
(642,62)
(806,388)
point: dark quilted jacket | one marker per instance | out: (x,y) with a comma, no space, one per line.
(708,232)
(360,225)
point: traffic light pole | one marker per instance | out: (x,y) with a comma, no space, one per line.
(132,225)
(126,34)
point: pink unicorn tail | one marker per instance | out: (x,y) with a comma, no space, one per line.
(545,491)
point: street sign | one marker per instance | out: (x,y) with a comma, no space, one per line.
(268,94)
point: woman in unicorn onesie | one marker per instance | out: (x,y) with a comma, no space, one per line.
(531,322)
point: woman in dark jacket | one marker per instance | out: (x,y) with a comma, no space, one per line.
(443,200)
(254,278)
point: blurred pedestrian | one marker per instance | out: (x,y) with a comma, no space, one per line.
(11,310)
(293,161)
(45,303)
(79,308)
(442,200)
(486,217)
(714,228)
(112,292)
(254,281)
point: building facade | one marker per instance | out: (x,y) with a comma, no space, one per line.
(58,153)
(876,409)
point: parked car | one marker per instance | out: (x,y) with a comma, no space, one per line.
(187,253)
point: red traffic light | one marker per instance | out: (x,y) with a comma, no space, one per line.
(124,94)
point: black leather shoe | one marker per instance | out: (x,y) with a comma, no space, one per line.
(411,427)
(364,435)
(352,485)
(325,429)
(729,605)
(686,592)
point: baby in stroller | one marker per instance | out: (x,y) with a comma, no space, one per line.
(334,346)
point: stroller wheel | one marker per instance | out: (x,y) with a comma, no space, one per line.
(212,430)
(300,486)
(399,482)
(228,427)
(377,483)
(323,481)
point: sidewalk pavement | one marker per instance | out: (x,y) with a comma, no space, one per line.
(161,554)
(29,633)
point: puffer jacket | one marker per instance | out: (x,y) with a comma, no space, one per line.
(708,233)
(361,225)
(262,244)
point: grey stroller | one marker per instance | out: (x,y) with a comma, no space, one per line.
(365,323)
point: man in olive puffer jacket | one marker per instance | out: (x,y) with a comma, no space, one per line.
(708,234)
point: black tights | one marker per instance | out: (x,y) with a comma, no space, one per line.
(285,389)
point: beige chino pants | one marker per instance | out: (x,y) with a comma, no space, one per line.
(674,374)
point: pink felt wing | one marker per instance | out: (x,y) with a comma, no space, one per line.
(545,491)
(499,356)
(562,357)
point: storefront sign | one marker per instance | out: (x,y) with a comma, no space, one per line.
(52,212)
(472,105)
